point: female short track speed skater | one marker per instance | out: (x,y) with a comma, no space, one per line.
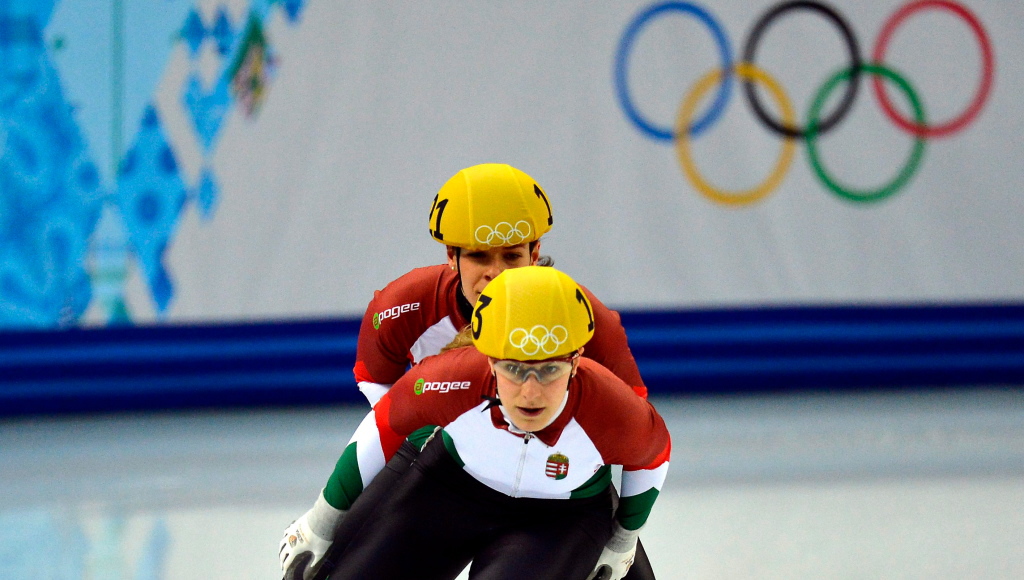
(490,217)
(517,477)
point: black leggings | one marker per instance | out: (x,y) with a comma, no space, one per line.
(437,518)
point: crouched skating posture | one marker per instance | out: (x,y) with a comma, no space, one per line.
(517,478)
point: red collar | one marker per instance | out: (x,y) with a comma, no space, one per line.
(550,434)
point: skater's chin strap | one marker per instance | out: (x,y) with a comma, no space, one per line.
(465,308)
(491,402)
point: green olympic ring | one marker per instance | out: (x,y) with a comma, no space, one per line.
(864,196)
(686,128)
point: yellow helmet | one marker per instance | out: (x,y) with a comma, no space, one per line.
(487,206)
(532,313)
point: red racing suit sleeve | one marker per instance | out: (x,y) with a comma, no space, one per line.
(434,392)
(398,316)
(628,431)
(610,347)
(382,355)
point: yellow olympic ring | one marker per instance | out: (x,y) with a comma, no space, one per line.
(682,140)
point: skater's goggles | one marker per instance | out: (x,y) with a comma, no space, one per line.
(546,371)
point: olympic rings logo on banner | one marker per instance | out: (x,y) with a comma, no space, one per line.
(538,338)
(687,127)
(503,234)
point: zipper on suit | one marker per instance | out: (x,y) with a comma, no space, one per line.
(522,463)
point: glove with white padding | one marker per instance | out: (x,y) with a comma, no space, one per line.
(617,556)
(307,539)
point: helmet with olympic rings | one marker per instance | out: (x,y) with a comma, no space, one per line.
(532,313)
(488,206)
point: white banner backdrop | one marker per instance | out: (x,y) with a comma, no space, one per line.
(324,195)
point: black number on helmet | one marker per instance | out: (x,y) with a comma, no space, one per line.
(482,303)
(437,206)
(540,194)
(583,300)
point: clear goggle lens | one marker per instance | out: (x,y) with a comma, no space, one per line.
(545,371)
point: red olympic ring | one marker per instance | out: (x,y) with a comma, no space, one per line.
(988,66)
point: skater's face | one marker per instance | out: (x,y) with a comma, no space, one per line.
(532,392)
(478,267)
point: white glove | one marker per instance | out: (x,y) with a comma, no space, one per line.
(306,541)
(617,556)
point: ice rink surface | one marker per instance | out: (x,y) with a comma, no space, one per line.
(925,485)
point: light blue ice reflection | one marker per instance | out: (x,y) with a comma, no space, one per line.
(49,545)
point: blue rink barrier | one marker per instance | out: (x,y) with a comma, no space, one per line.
(828,348)
(687,351)
(178,367)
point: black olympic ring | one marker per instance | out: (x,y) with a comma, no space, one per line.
(750,50)
(685,128)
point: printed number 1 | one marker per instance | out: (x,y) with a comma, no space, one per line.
(540,194)
(582,300)
(439,208)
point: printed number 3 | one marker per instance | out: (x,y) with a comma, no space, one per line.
(479,322)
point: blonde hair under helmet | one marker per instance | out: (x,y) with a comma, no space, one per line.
(532,313)
(487,206)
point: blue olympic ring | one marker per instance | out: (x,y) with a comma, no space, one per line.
(626,45)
